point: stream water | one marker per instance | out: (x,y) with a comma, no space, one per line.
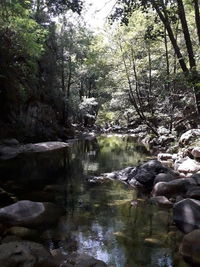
(107,219)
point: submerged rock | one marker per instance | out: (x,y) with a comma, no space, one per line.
(190,248)
(142,176)
(83,260)
(22,232)
(161,201)
(22,253)
(186,215)
(30,214)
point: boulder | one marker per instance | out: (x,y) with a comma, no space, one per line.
(189,166)
(186,215)
(189,136)
(8,152)
(22,253)
(146,173)
(178,186)
(44,146)
(161,201)
(30,214)
(196,152)
(193,192)
(164,177)
(190,248)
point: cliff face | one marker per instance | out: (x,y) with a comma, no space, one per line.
(35,123)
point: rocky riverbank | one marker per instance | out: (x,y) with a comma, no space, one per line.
(33,233)
(172,181)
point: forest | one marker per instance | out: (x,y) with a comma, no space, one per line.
(58,76)
(99,134)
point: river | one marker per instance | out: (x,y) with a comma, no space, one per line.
(105,219)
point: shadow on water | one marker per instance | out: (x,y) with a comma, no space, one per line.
(106,219)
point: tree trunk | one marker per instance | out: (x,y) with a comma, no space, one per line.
(164,18)
(197,17)
(133,99)
(182,16)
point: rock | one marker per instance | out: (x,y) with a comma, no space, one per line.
(164,140)
(83,260)
(146,173)
(172,188)
(22,232)
(8,152)
(164,177)
(164,156)
(196,152)
(163,131)
(189,137)
(30,214)
(10,142)
(22,253)
(190,248)
(186,215)
(44,146)
(161,201)
(189,166)
(193,192)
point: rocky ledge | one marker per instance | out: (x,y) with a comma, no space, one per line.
(10,150)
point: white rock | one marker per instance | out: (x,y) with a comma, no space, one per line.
(189,166)
(188,136)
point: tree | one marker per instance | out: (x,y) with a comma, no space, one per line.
(165,11)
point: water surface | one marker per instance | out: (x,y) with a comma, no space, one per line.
(107,219)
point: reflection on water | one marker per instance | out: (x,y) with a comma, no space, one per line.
(101,217)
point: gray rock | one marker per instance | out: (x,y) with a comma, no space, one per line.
(22,232)
(196,152)
(178,186)
(189,137)
(22,253)
(186,215)
(10,142)
(146,173)
(193,192)
(30,214)
(8,152)
(83,260)
(190,248)
(164,177)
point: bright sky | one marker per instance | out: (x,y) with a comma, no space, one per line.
(98,11)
